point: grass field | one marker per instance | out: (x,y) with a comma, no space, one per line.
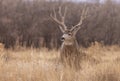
(29,64)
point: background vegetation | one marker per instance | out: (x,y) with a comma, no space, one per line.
(27,22)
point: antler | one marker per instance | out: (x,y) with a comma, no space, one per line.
(61,22)
(82,18)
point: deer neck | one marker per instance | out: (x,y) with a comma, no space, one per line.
(74,45)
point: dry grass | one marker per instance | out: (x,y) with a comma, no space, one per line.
(102,64)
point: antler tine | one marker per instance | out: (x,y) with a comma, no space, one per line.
(54,13)
(82,17)
(65,12)
(53,16)
(62,16)
(84,13)
(62,22)
(60,12)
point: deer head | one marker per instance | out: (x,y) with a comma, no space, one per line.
(68,36)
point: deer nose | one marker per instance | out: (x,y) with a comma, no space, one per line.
(62,38)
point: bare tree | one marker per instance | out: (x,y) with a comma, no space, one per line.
(69,49)
(18,19)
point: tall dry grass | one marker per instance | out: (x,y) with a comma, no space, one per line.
(23,64)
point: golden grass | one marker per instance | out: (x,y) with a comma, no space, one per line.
(102,64)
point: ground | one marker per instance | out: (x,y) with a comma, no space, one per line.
(29,64)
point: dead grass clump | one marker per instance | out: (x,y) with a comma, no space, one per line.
(96,48)
(113,48)
(1,50)
(104,72)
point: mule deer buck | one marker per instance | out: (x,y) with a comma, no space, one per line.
(69,52)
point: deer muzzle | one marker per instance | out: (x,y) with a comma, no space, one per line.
(62,38)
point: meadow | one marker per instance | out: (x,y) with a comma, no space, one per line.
(30,64)
(29,31)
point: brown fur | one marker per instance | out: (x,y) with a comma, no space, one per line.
(70,55)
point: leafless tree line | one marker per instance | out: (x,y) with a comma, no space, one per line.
(28,23)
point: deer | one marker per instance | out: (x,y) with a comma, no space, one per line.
(69,51)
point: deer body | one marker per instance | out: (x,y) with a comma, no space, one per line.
(69,52)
